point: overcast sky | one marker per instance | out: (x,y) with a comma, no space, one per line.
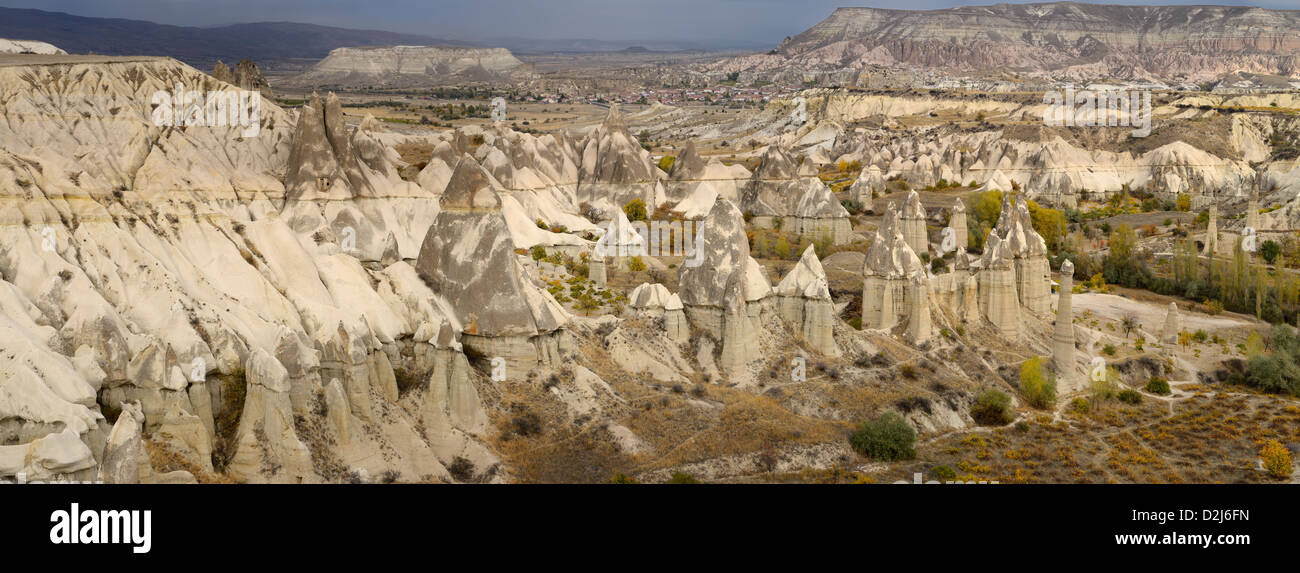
(713,22)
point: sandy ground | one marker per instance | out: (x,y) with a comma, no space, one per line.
(1152,316)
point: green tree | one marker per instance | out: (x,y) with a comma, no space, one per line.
(1270,250)
(782,248)
(886,438)
(1037,383)
(635,210)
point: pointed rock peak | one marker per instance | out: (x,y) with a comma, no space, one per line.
(889,222)
(470,187)
(688,163)
(614,119)
(959,206)
(1067,268)
(775,164)
(890,256)
(995,255)
(1006,215)
(807,279)
(912,208)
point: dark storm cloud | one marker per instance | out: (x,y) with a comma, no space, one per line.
(707,22)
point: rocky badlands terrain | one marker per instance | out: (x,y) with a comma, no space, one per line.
(1061,40)
(335,300)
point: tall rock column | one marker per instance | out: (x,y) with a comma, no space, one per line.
(913,223)
(958,223)
(1173,325)
(918,320)
(1063,336)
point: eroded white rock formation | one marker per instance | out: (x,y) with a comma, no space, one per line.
(804,301)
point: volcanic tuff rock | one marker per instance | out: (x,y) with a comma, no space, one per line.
(245,74)
(1065,39)
(724,295)
(468,256)
(406,66)
(615,169)
(151,265)
(779,190)
(804,300)
(27,47)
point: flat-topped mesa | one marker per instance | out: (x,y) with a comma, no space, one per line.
(888,266)
(1029,252)
(777,196)
(1173,325)
(615,169)
(655,301)
(1063,332)
(411,66)
(912,218)
(725,295)
(468,257)
(997,287)
(804,301)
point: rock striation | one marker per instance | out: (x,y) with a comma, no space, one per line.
(468,256)
(411,66)
(803,299)
(889,266)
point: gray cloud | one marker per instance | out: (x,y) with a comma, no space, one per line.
(707,22)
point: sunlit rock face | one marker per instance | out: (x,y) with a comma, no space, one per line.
(405,66)
(804,301)
(781,195)
(1187,43)
(726,295)
(468,257)
(889,265)
(999,301)
(615,170)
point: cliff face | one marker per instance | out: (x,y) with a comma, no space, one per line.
(414,65)
(1062,39)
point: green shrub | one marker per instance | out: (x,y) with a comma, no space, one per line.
(886,438)
(1130,396)
(681,477)
(944,472)
(1037,384)
(1080,405)
(1022,426)
(635,210)
(992,408)
(1158,385)
(1108,350)
(635,264)
(539,253)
